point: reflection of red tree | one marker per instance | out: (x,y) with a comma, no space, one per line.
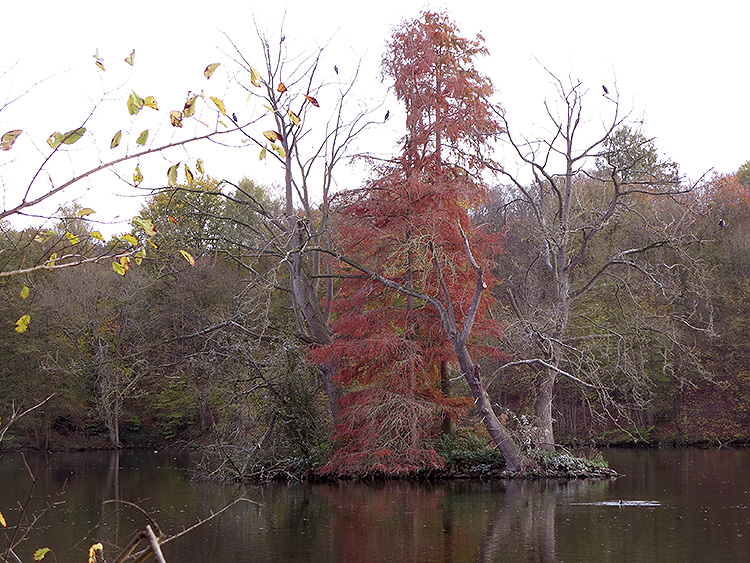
(406,226)
(403,521)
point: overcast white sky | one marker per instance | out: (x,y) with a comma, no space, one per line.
(681,66)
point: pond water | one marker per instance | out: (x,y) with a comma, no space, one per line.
(677,505)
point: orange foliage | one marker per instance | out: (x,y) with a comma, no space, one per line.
(404,225)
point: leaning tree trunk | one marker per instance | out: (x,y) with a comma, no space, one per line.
(515,459)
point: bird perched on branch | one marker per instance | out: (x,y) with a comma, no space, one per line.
(387,115)
(606,92)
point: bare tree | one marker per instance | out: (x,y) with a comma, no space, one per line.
(581,190)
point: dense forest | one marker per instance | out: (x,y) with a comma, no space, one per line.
(587,295)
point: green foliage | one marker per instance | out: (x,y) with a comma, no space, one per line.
(467,454)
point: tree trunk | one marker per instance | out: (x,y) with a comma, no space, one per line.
(545,439)
(515,459)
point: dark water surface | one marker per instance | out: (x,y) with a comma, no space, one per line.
(677,505)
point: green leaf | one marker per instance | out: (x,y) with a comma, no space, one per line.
(25,292)
(97,235)
(43,237)
(199,166)
(147,225)
(142,138)
(135,103)
(140,255)
(150,102)
(72,238)
(55,139)
(22,324)
(130,59)
(40,553)
(219,104)
(279,149)
(85,211)
(9,138)
(119,268)
(294,117)
(210,69)
(72,136)
(263,152)
(116,139)
(137,176)
(172,174)
(187,256)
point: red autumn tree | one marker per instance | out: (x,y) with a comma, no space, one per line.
(411,293)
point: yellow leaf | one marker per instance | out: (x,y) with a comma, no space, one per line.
(97,235)
(97,56)
(255,77)
(152,243)
(72,238)
(293,116)
(135,103)
(85,211)
(272,136)
(51,261)
(92,552)
(25,292)
(263,153)
(100,65)
(125,262)
(116,139)
(40,553)
(199,166)
(150,102)
(142,138)
(9,138)
(22,324)
(210,69)
(220,105)
(172,174)
(187,256)
(2,520)
(175,118)
(188,174)
(137,176)
(117,267)
(147,225)
(140,255)
(130,239)
(189,108)
(130,58)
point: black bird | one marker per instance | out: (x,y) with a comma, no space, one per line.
(606,92)
(234,117)
(387,115)
(336,69)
